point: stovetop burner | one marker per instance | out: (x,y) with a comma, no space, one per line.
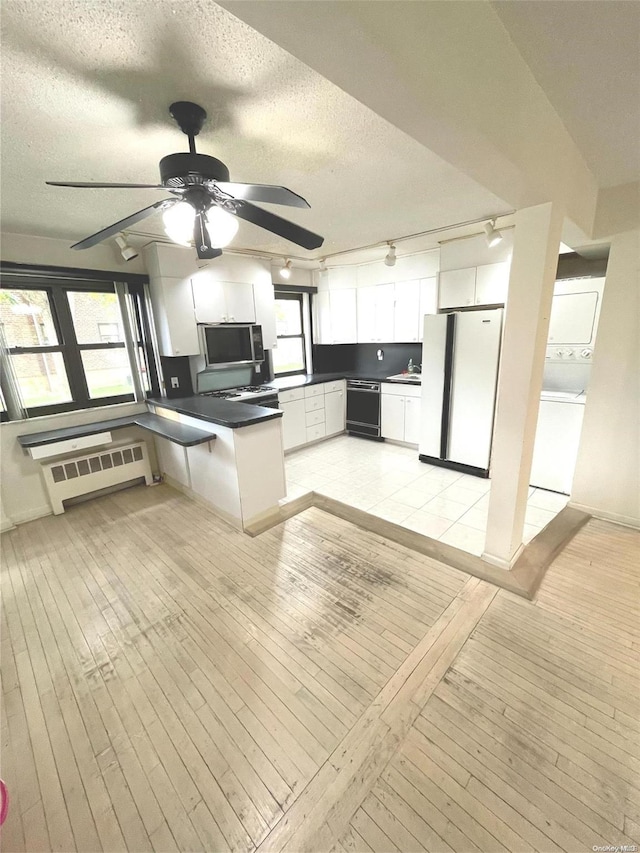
(231,393)
(255,388)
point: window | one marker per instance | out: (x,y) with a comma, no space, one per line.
(289,355)
(67,346)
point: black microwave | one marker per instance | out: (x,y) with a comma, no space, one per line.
(229,344)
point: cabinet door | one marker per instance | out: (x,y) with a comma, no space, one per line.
(385,310)
(264,301)
(208,298)
(492,284)
(366,306)
(573,318)
(334,412)
(238,297)
(412,419)
(178,333)
(428,301)
(294,424)
(392,412)
(344,327)
(322,317)
(457,288)
(407,310)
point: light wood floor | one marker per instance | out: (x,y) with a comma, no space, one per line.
(172,684)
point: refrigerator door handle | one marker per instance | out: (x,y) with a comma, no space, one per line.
(446,390)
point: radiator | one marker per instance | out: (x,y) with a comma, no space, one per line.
(79,475)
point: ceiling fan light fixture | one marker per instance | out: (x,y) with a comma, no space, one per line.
(285,271)
(222,227)
(178,223)
(493,236)
(390,258)
(127,252)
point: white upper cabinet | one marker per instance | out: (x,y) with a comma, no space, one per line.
(222,301)
(573,317)
(322,318)
(375,311)
(407,310)
(344,327)
(172,302)
(264,301)
(492,284)
(457,288)
(428,301)
(366,301)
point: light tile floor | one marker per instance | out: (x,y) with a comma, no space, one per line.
(389,480)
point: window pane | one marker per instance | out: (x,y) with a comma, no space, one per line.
(42,379)
(96,317)
(288,317)
(26,317)
(288,355)
(107,371)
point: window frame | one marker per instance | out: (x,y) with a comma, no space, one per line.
(57,290)
(299,298)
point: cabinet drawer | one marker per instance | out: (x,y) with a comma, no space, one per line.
(314,418)
(56,448)
(329,387)
(315,432)
(313,390)
(394,389)
(291,395)
(312,404)
(413,391)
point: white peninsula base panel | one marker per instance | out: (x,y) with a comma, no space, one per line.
(240,474)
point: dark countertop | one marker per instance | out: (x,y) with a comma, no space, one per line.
(226,413)
(285,383)
(186,436)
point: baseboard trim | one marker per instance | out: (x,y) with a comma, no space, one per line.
(616,518)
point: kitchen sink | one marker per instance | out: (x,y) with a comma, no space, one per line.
(405,377)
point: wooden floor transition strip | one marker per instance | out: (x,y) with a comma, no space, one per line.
(523,579)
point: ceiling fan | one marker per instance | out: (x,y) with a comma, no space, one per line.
(205,202)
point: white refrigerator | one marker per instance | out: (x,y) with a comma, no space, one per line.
(460,358)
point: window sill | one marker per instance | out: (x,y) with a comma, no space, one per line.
(72,412)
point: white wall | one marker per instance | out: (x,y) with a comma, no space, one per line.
(26,249)
(23,493)
(607,477)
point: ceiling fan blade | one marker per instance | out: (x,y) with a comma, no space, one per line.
(106,186)
(277,225)
(202,241)
(114,229)
(263,193)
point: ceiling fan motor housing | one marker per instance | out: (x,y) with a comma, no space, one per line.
(187,170)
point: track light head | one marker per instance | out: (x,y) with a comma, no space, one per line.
(285,271)
(127,252)
(390,259)
(493,236)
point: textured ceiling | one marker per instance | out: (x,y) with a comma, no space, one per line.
(86,86)
(585,54)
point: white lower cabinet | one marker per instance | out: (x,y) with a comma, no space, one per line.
(412,419)
(335,411)
(294,424)
(312,412)
(400,413)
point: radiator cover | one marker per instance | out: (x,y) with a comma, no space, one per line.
(79,475)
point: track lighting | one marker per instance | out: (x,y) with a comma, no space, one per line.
(493,236)
(390,259)
(125,249)
(285,272)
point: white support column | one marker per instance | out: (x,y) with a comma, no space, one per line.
(533,271)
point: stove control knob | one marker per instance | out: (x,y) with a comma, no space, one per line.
(586,353)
